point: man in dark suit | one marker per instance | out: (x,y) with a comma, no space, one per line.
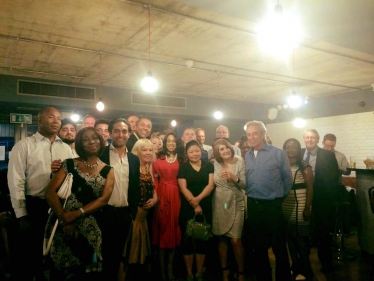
(325,191)
(122,206)
(143,130)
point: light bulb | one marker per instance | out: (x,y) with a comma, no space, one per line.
(173,123)
(294,101)
(218,115)
(100,106)
(299,123)
(149,84)
(74,117)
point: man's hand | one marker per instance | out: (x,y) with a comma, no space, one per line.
(56,164)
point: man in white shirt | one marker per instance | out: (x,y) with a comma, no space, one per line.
(222,132)
(143,130)
(28,175)
(122,206)
(67,133)
(102,127)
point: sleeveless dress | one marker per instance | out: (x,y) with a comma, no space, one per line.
(76,256)
(166,231)
(140,245)
(294,204)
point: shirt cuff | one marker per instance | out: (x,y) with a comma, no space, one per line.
(21,212)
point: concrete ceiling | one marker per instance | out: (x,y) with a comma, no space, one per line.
(64,40)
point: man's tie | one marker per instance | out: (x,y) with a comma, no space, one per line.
(307,157)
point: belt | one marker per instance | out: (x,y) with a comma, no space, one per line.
(264,201)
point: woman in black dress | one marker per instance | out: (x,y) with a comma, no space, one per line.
(75,252)
(196,184)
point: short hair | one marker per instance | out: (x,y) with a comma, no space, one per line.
(223,126)
(142,117)
(88,115)
(330,137)
(199,129)
(179,147)
(101,121)
(312,131)
(66,121)
(259,124)
(46,109)
(116,120)
(79,142)
(188,128)
(216,145)
(140,144)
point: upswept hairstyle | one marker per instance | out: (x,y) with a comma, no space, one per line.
(179,147)
(216,145)
(79,142)
(140,144)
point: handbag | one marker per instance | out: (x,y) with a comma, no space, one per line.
(198,230)
(63,193)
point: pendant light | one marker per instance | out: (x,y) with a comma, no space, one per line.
(100,105)
(149,84)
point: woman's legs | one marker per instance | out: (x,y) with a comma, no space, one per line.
(238,249)
(222,249)
(170,264)
(188,261)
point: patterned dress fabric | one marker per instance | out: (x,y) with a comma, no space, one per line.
(229,201)
(73,256)
(166,230)
(294,204)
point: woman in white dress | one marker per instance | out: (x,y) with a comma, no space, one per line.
(228,204)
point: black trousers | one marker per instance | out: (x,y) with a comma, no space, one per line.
(115,224)
(29,249)
(265,227)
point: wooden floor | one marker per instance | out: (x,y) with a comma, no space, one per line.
(348,270)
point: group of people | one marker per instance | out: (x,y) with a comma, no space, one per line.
(134,192)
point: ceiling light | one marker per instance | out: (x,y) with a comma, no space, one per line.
(294,101)
(218,115)
(299,123)
(279,33)
(285,106)
(149,84)
(173,123)
(74,117)
(100,105)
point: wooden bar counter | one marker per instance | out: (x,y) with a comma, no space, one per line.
(365,205)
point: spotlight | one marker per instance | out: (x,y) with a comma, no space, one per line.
(100,105)
(294,101)
(218,115)
(149,84)
(173,123)
(74,117)
(299,123)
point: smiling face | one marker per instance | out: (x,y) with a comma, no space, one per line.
(143,128)
(194,153)
(133,120)
(49,122)
(245,147)
(102,129)
(200,136)
(310,140)
(90,142)
(171,144)
(224,152)
(292,149)
(67,133)
(329,145)
(188,135)
(157,144)
(146,155)
(255,137)
(119,134)
(89,121)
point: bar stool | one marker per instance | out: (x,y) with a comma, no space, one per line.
(338,246)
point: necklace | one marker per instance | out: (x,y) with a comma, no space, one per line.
(172,161)
(144,169)
(90,166)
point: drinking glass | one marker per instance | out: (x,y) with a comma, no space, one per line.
(352,162)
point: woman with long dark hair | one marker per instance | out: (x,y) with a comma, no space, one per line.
(166,231)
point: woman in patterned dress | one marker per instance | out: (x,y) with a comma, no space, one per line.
(140,245)
(228,204)
(297,209)
(166,231)
(75,252)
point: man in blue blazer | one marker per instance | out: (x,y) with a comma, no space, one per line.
(122,206)
(325,193)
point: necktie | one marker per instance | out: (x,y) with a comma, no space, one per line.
(307,157)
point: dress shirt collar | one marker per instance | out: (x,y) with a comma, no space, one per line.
(112,148)
(39,137)
(265,147)
(313,152)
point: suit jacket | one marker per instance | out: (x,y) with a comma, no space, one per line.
(130,142)
(326,179)
(134,179)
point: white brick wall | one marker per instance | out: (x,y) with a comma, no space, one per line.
(354,133)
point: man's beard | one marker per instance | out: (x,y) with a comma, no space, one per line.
(68,141)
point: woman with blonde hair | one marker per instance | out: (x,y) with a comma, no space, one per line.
(138,247)
(228,204)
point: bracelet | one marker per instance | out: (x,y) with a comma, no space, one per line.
(81,209)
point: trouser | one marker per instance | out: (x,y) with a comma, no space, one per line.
(115,224)
(299,251)
(29,249)
(265,227)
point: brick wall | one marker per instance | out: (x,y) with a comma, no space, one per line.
(354,133)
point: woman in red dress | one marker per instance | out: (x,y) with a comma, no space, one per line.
(166,232)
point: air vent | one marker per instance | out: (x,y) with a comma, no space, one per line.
(163,101)
(55,90)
